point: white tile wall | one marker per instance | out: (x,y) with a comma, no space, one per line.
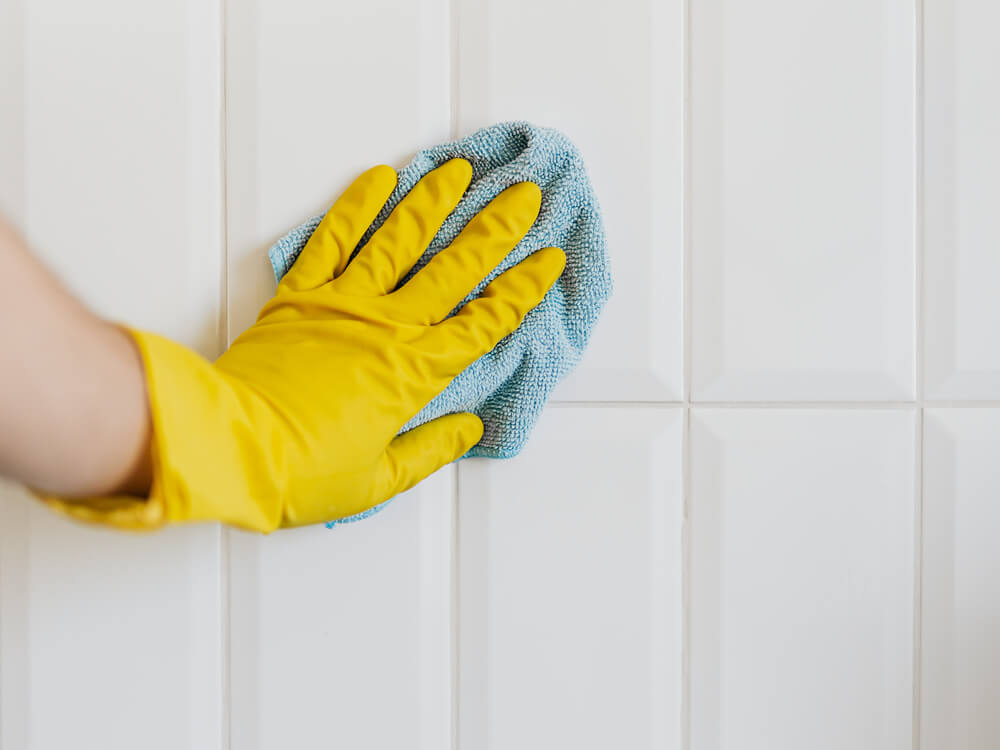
(760,516)
(108,640)
(569,589)
(612,78)
(338,637)
(961,604)
(802,164)
(343,637)
(962,191)
(802,570)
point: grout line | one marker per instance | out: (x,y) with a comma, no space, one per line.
(918,202)
(456,620)
(749,404)
(919,356)
(686,286)
(686,244)
(686,537)
(455,78)
(225,598)
(918,404)
(225,626)
(740,404)
(616,404)
(918,537)
(223,182)
(945,404)
(806,405)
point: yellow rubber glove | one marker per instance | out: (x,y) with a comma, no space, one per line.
(297,422)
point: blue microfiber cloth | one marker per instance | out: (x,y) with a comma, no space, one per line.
(508,386)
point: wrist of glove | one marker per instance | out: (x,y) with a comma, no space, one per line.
(202,469)
(298,421)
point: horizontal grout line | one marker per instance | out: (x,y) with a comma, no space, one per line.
(620,404)
(602,404)
(804,405)
(741,404)
(926,404)
(985,404)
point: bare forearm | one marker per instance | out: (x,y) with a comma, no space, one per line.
(73,413)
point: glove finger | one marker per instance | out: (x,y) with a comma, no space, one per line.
(485,241)
(405,235)
(329,248)
(423,450)
(478,326)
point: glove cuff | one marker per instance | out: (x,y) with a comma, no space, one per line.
(207,462)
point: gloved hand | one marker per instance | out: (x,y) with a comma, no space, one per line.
(297,422)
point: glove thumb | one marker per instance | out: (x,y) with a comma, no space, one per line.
(423,450)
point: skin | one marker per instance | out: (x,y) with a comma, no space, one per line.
(74,416)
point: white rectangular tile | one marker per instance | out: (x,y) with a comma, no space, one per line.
(338,636)
(961,195)
(318,92)
(112,112)
(343,636)
(570,585)
(802,195)
(961,565)
(113,634)
(122,158)
(612,78)
(802,580)
(12,112)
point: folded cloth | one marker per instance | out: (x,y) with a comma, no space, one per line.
(508,386)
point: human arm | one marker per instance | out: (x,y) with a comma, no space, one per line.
(298,421)
(73,413)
